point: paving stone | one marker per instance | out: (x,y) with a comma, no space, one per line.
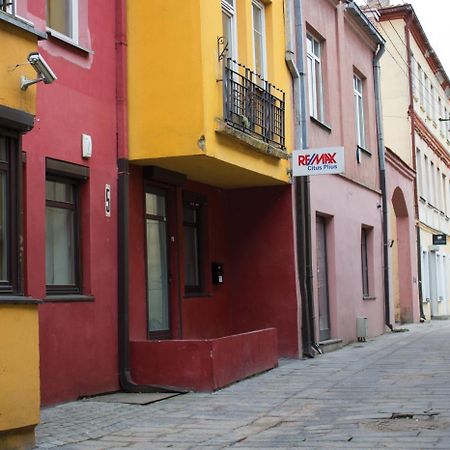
(322,403)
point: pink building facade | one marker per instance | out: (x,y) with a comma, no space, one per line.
(346,209)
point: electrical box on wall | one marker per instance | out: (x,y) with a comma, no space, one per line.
(217,273)
(86,146)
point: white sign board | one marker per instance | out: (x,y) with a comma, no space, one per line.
(318,161)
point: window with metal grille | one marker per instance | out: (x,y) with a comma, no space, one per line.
(253,105)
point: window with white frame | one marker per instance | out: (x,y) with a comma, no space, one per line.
(315,85)
(8,6)
(444,195)
(62,18)
(259,38)
(432,196)
(438,190)
(359,110)
(426,185)
(419,171)
(427,96)
(433,103)
(441,115)
(446,124)
(229,27)
(421,80)
(414,76)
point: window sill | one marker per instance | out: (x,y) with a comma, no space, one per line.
(22,24)
(198,295)
(423,200)
(369,297)
(321,124)
(61,38)
(68,298)
(18,300)
(225,129)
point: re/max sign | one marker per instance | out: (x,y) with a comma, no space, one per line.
(320,161)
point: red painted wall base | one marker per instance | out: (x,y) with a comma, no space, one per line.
(205,364)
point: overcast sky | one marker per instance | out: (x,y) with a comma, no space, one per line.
(434,15)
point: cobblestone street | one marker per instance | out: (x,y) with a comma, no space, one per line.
(389,392)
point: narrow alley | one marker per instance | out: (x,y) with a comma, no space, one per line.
(389,392)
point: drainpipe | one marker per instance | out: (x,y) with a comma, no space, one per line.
(295,62)
(126,382)
(414,164)
(382,168)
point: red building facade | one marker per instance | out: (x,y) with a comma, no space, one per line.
(70,238)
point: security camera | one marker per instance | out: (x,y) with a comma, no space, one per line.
(42,69)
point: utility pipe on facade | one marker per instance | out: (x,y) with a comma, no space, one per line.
(382,168)
(126,382)
(412,117)
(295,62)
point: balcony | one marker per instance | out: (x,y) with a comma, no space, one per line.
(254,107)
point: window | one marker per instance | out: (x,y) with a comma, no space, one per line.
(414,75)
(441,115)
(229,27)
(315,88)
(426,184)
(427,96)
(419,172)
(8,6)
(359,111)
(62,18)
(63,226)
(433,103)
(432,198)
(259,38)
(192,223)
(9,214)
(62,266)
(446,124)
(421,81)
(365,260)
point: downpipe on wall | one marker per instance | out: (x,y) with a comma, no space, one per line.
(382,169)
(301,187)
(125,379)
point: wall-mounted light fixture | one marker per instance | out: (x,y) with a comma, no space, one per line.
(42,69)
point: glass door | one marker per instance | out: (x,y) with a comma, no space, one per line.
(157,263)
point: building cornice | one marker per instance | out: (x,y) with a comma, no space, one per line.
(407,13)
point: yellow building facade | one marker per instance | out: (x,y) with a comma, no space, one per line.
(177,90)
(19,353)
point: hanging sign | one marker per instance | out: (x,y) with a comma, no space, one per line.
(318,161)
(439,239)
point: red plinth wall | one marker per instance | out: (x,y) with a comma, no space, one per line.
(205,364)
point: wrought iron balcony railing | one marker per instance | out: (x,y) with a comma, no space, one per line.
(252,104)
